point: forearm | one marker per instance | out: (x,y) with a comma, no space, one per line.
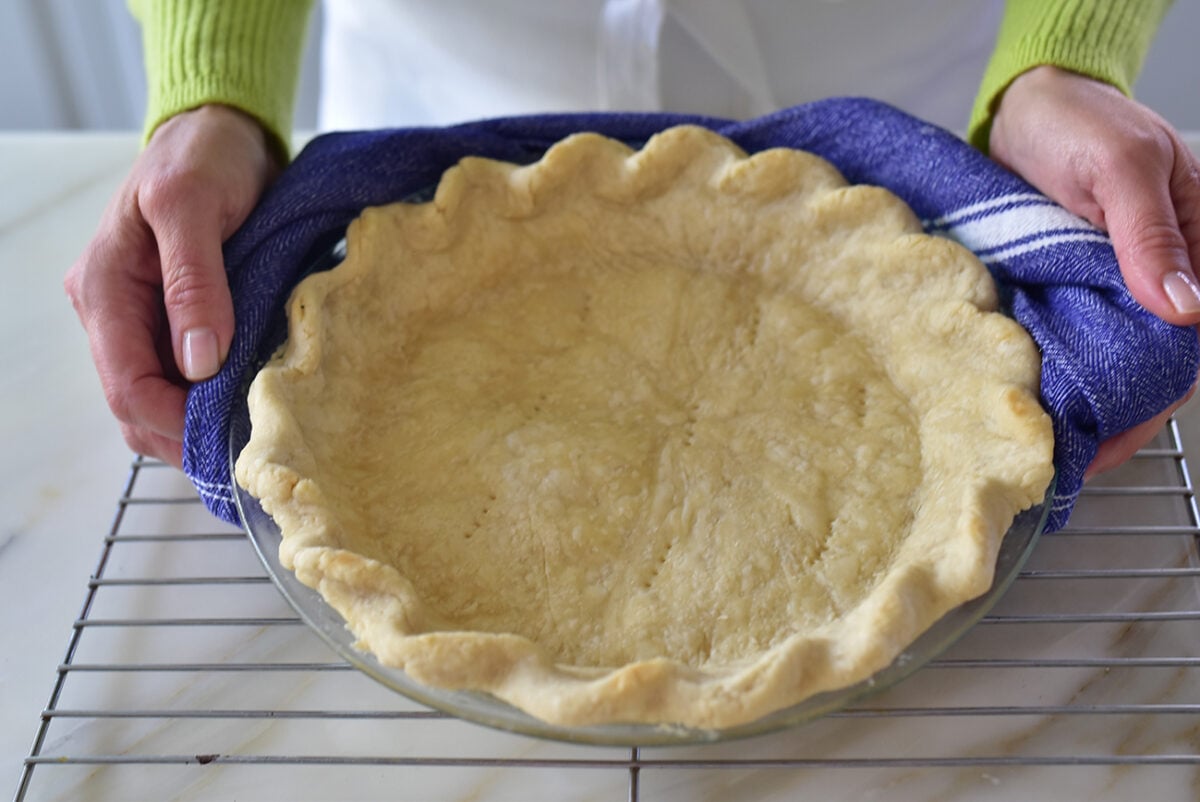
(1102,39)
(240,53)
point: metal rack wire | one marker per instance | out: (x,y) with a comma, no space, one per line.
(187,677)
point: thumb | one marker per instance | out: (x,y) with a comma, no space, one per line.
(1148,218)
(196,295)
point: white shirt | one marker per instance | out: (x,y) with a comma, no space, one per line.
(421,62)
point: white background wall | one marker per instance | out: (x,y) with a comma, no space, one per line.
(1170,81)
(69,65)
(77,64)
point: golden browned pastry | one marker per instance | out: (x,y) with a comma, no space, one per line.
(674,436)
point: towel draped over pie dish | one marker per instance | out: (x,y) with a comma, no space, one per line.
(1107,364)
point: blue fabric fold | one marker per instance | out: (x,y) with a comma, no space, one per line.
(1107,363)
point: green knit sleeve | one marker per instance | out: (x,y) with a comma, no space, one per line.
(241,53)
(1103,39)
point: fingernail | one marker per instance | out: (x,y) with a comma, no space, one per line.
(201,356)
(1183,292)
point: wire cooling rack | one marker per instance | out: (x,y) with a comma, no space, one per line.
(187,677)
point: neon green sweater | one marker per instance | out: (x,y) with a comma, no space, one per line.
(246,53)
(240,53)
(1104,39)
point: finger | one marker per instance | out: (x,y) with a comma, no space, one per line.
(119,308)
(152,444)
(1185,192)
(1118,449)
(194,285)
(1148,234)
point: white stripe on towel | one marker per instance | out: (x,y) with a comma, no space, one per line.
(1015,226)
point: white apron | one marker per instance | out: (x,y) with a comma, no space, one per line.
(434,62)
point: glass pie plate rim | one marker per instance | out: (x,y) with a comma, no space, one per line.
(484,709)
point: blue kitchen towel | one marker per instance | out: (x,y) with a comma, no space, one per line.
(1107,363)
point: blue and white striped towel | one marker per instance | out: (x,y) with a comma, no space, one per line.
(1107,364)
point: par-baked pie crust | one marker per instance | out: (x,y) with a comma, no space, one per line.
(675,436)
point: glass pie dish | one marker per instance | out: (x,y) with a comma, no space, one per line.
(487,710)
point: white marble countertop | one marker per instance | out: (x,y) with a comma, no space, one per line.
(63,454)
(65,465)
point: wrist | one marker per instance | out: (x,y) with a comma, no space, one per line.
(1014,95)
(231,122)
(1030,96)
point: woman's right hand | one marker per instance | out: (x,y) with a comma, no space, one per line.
(150,288)
(1111,160)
